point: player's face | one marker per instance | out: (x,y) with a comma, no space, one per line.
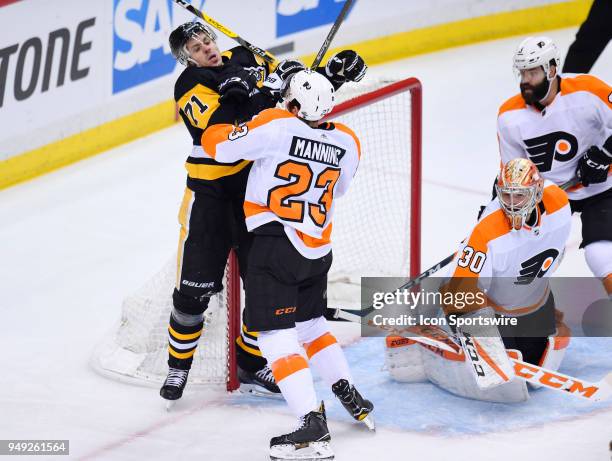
(516,200)
(533,84)
(204,51)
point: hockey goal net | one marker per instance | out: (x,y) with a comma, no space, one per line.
(376,233)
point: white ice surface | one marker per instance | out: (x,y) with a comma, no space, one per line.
(76,241)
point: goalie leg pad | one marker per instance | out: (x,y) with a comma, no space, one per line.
(484,348)
(403,360)
(455,376)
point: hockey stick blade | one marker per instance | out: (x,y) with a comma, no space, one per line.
(266,55)
(595,392)
(331,34)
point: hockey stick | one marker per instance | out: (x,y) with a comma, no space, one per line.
(267,56)
(331,34)
(355,315)
(435,338)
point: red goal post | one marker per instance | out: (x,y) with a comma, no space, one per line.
(377,232)
(413,86)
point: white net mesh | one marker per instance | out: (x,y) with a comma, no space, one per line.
(138,349)
(370,238)
(371,235)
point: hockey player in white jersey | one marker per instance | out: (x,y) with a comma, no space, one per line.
(516,245)
(563,123)
(301,166)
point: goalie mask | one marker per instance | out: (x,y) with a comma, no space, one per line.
(312,92)
(519,189)
(182,34)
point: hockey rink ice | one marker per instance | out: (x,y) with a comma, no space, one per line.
(77,241)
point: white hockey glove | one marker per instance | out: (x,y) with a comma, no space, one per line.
(285,69)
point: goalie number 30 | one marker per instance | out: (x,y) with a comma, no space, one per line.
(473,260)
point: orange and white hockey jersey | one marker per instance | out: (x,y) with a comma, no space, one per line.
(556,138)
(512,267)
(297,174)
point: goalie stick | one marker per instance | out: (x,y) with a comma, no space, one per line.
(266,55)
(435,338)
(355,315)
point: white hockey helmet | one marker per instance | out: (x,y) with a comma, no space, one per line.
(312,92)
(535,52)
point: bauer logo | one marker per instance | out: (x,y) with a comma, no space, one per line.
(298,15)
(140,41)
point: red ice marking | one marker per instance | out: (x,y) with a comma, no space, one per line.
(146,431)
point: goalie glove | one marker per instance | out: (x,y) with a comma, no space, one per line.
(344,66)
(594,166)
(275,82)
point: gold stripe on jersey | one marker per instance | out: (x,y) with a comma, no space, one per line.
(211,171)
(198,104)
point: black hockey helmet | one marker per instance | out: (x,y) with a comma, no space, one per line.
(181,35)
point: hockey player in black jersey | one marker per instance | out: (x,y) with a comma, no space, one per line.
(215,87)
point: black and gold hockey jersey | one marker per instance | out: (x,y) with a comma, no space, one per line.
(195,93)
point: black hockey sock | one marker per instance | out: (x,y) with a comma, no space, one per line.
(248,355)
(182,341)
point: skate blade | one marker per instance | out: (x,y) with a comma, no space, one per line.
(368,420)
(314,451)
(170,404)
(259,391)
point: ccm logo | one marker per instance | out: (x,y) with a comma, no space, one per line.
(551,379)
(284,310)
(473,355)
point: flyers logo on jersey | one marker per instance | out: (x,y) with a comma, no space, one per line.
(560,146)
(536,266)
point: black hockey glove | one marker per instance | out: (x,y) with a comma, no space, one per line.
(275,81)
(345,66)
(594,165)
(237,87)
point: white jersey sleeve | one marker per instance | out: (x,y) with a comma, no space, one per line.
(228,143)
